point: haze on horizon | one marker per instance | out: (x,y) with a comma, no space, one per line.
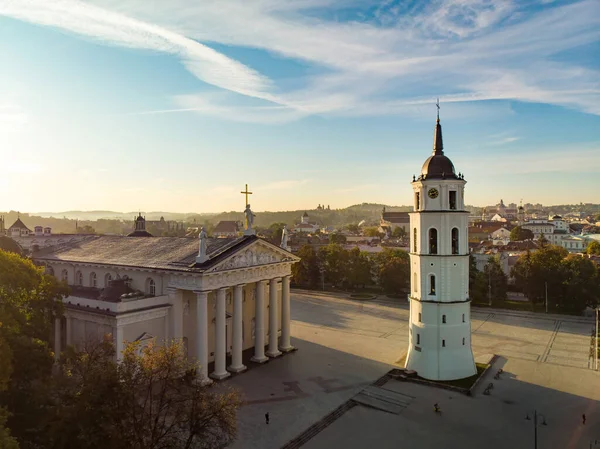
(117,106)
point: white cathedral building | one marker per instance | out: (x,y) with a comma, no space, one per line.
(439,346)
(225,299)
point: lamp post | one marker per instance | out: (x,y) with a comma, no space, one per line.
(536,423)
(596,341)
(490,285)
(546,285)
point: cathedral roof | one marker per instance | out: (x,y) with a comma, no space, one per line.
(438,166)
(164,253)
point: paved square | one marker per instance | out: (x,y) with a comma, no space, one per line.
(345,345)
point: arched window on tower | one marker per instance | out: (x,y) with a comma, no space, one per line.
(433,245)
(65,276)
(107,279)
(432,284)
(417,201)
(454,240)
(452,199)
(444,319)
(415,240)
(79,278)
(415,282)
(93,280)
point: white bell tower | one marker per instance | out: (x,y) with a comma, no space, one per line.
(439,343)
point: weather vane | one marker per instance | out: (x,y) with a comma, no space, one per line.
(437,105)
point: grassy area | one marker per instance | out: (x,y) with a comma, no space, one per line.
(467,382)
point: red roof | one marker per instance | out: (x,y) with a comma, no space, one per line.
(226,227)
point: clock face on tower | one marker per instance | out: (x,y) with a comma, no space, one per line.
(433,193)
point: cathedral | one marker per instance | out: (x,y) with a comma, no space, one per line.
(439,346)
(226,300)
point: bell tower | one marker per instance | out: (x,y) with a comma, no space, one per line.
(439,344)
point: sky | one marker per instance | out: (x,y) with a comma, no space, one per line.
(175,105)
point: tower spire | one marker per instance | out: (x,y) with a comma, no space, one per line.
(438,144)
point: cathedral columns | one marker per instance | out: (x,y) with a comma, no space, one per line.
(176,297)
(273,325)
(220,337)
(286,345)
(238,342)
(56,338)
(202,336)
(69,329)
(259,328)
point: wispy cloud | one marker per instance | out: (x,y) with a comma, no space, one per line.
(403,56)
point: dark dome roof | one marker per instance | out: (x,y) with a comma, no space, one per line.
(139,233)
(438,166)
(521,208)
(140,218)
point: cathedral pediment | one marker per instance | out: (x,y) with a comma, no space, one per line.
(258,254)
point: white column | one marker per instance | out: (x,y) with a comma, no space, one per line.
(220,338)
(286,345)
(259,327)
(119,343)
(273,326)
(202,336)
(176,299)
(238,342)
(56,338)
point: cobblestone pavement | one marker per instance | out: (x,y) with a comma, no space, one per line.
(345,345)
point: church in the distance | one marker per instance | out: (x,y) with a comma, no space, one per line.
(439,344)
(226,300)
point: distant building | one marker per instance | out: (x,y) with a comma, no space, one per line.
(392,220)
(305,225)
(226,229)
(18,229)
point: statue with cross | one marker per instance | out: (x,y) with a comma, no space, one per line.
(249,214)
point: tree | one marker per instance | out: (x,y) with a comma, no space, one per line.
(337,237)
(359,268)
(142,402)
(593,248)
(496,279)
(276,230)
(353,228)
(399,232)
(371,231)
(393,270)
(519,233)
(334,260)
(581,286)
(86,229)
(6,441)
(307,272)
(478,286)
(29,303)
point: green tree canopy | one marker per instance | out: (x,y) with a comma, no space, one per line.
(399,232)
(307,272)
(393,270)
(519,233)
(142,402)
(371,231)
(334,259)
(359,268)
(337,237)
(29,303)
(571,282)
(593,248)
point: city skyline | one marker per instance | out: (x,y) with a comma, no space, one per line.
(121,107)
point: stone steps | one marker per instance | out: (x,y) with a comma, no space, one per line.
(319,426)
(382,399)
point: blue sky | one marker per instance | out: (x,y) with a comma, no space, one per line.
(155,105)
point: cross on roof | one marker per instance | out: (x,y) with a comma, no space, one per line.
(246,193)
(437,105)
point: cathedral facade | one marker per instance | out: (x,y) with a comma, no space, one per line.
(440,320)
(222,298)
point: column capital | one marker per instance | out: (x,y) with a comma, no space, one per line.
(201,292)
(276,279)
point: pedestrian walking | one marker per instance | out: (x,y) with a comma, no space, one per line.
(583,418)
(267,417)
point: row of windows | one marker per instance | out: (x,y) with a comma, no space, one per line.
(443,341)
(443,318)
(150,287)
(433,241)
